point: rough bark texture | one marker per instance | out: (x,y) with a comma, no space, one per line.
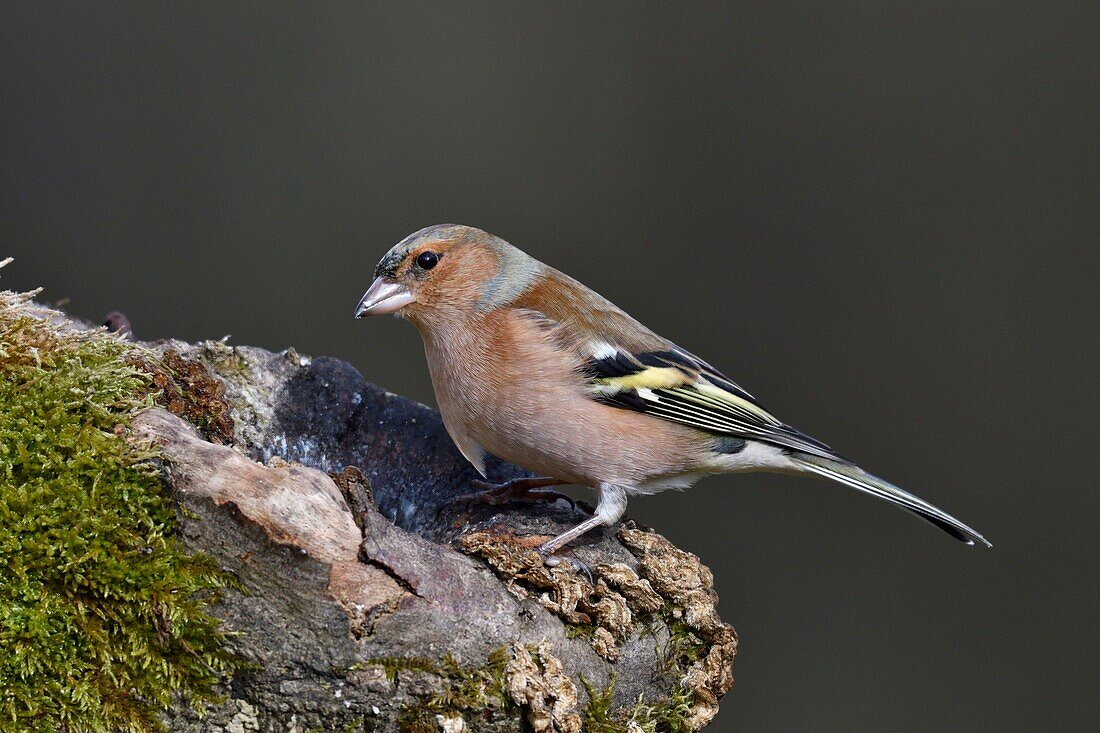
(369,602)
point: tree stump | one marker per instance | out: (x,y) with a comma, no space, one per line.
(366,599)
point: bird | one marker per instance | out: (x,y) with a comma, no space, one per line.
(532,366)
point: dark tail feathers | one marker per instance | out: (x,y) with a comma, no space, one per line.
(859,479)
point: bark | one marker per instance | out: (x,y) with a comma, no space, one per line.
(369,601)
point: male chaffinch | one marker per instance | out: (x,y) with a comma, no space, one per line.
(535,368)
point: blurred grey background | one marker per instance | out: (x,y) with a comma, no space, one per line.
(879,218)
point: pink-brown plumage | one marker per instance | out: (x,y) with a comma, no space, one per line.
(506,383)
(535,368)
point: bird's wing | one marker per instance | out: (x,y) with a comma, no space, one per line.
(674,385)
(628,366)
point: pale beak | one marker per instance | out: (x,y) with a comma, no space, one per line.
(383,297)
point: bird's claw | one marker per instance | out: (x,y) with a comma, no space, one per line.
(553,561)
(523,489)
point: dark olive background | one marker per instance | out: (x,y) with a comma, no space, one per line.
(879,218)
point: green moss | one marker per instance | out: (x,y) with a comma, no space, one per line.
(669,715)
(680,650)
(394,665)
(664,715)
(683,649)
(102,613)
(353,725)
(416,720)
(473,692)
(577,631)
(599,714)
(226,360)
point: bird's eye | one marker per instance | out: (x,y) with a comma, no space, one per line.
(427,260)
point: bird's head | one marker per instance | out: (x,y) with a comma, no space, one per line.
(445,272)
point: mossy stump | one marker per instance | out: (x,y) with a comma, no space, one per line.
(214,538)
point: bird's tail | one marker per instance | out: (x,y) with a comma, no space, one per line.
(857,478)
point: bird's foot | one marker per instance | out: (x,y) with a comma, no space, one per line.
(519,489)
(551,546)
(553,561)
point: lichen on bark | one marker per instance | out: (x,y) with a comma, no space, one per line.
(670,595)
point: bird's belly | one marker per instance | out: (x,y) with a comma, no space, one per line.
(546,422)
(584,442)
(530,438)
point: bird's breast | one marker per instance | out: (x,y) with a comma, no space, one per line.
(523,399)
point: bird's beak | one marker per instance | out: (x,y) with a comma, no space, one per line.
(383,297)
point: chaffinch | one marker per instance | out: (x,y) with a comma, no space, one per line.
(535,368)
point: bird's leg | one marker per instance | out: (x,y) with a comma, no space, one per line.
(548,548)
(518,489)
(610,510)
